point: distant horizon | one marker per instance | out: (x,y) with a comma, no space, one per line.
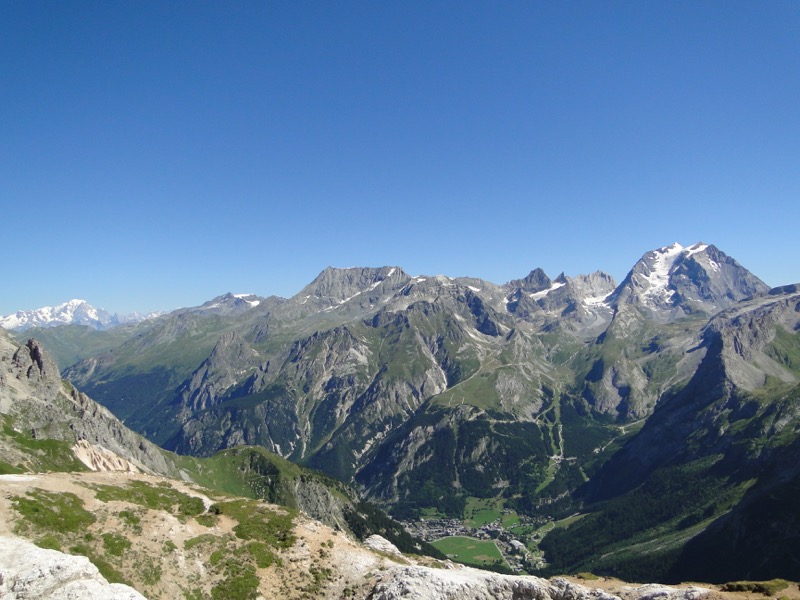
(156,154)
(617,280)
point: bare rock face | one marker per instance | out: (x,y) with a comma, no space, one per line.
(423,583)
(35,363)
(28,572)
(654,591)
(333,286)
(381,544)
(33,394)
(230,357)
(97,458)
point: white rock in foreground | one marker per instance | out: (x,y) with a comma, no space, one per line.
(28,572)
(655,591)
(381,544)
(422,583)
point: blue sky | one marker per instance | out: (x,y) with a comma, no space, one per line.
(156,154)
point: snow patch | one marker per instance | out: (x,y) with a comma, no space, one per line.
(543,293)
(596,300)
(698,247)
(252,303)
(657,279)
(350,298)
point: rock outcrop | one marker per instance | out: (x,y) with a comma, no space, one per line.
(28,572)
(423,583)
(381,544)
(98,458)
(39,402)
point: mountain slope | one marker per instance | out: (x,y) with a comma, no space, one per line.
(693,485)
(34,400)
(49,425)
(171,538)
(434,393)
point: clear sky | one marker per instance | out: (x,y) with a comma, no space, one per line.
(157,154)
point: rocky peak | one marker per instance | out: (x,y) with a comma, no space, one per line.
(706,274)
(593,287)
(33,394)
(229,303)
(336,286)
(579,302)
(36,364)
(673,281)
(536,281)
(742,333)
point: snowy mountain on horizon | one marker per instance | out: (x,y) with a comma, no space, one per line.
(73,312)
(674,280)
(667,282)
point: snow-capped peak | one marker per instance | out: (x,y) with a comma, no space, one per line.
(72,312)
(675,280)
(228,302)
(251,299)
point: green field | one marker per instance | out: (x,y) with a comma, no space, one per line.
(510,520)
(480,511)
(470,551)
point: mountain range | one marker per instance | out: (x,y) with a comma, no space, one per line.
(73,312)
(651,420)
(91,510)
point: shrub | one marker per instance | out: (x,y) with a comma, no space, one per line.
(53,512)
(157,497)
(767,588)
(115,544)
(203,538)
(207,520)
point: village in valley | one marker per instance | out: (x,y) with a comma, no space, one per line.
(471,540)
